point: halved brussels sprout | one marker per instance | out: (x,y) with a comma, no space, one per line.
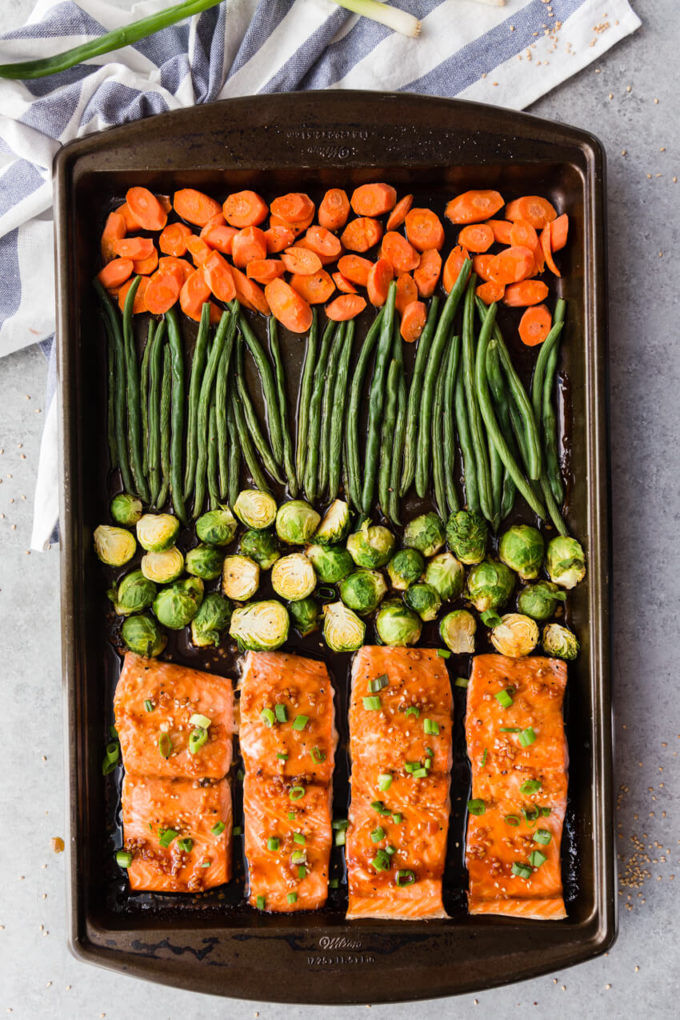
(163,567)
(425,533)
(342,629)
(126,509)
(335,524)
(490,585)
(397,625)
(143,636)
(114,546)
(371,546)
(565,561)
(156,532)
(217,527)
(467,534)
(293,577)
(540,600)
(363,590)
(424,600)
(261,546)
(405,567)
(260,626)
(521,548)
(296,522)
(457,631)
(211,620)
(560,641)
(516,635)
(240,578)
(204,561)
(446,575)
(255,509)
(176,606)
(133,594)
(305,615)
(331,562)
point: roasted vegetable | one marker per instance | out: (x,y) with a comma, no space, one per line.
(425,533)
(261,546)
(446,575)
(240,578)
(560,641)
(490,585)
(260,626)
(405,567)
(217,527)
(343,631)
(516,635)
(467,534)
(397,625)
(457,631)
(293,577)
(371,546)
(204,561)
(540,600)
(114,546)
(296,522)
(305,615)
(211,620)
(331,562)
(126,509)
(363,590)
(565,561)
(156,532)
(255,509)
(423,599)
(335,524)
(134,593)
(176,606)
(163,567)
(521,548)
(143,636)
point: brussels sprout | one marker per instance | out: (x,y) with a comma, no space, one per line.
(335,524)
(126,509)
(296,522)
(457,631)
(204,561)
(305,614)
(363,590)
(211,620)
(331,562)
(143,636)
(540,600)
(565,561)
(293,577)
(371,546)
(521,548)
(490,585)
(397,625)
(466,535)
(342,629)
(405,567)
(114,546)
(163,567)
(240,577)
(261,546)
(425,533)
(260,626)
(176,606)
(156,532)
(560,641)
(133,594)
(516,635)
(217,527)
(446,575)
(423,599)
(255,509)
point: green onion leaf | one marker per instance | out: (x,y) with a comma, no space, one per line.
(490,618)
(218,828)
(123,858)
(381,861)
(545,811)
(531,814)
(521,870)
(397,818)
(296,792)
(281,756)
(165,745)
(240,775)
(202,721)
(299,838)
(273,843)
(108,767)
(326,593)
(412,710)
(113,751)
(542,836)
(260,902)
(318,755)
(297,856)
(527,737)
(340,837)
(419,773)
(280,713)
(513,820)
(149,705)
(484,757)
(166,836)
(377,685)
(185,844)
(536,858)
(504,698)
(378,834)
(378,806)
(237,830)
(510,729)
(291,897)
(291,816)
(339,823)
(267,717)
(389,849)
(197,738)
(431,727)
(333,883)
(405,877)
(461,681)
(206,864)
(384,781)
(530,786)
(476,807)
(372,704)
(300,722)
(302,871)
(443,653)
(411,766)
(113,732)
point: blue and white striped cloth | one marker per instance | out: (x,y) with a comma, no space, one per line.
(505,55)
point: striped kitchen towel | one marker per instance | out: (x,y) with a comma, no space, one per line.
(506,55)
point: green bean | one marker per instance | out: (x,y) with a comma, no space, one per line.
(221,403)
(414,398)
(144,398)
(354,411)
(338,419)
(268,386)
(133,393)
(479,441)
(544,354)
(234,465)
(469,468)
(111,396)
(328,407)
(449,430)
(247,447)
(500,398)
(551,458)
(387,437)
(197,369)
(397,452)
(115,341)
(314,430)
(225,328)
(165,426)
(250,418)
(305,397)
(376,401)
(288,460)
(437,445)
(155,374)
(213,483)
(177,414)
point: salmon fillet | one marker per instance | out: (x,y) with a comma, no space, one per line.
(510,746)
(155,698)
(401,752)
(160,816)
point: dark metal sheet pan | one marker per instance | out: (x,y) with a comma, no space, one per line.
(318,140)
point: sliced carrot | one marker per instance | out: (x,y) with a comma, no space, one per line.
(343,284)
(559,229)
(453,266)
(424,229)
(173,240)
(195,206)
(398,214)
(293,208)
(526,292)
(545,248)
(139,303)
(162,292)
(302,242)
(491,291)
(265,270)
(323,242)
(378,283)
(477,237)
(248,245)
(355,268)
(165,203)
(334,209)
(181,268)
(193,294)
(289,307)
(218,235)
(512,265)
(216,313)
(301,260)
(198,249)
(535,210)
(115,229)
(480,266)
(315,289)
(413,321)
(115,273)
(521,232)
(134,248)
(373,199)
(217,220)
(279,238)
(297,228)
(131,221)
(244,209)
(248,292)
(407,292)
(218,275)
(535,325)
(474,206)
(428,272)
(501,230)
(399,252)
(345,307)
(146,208)
(144,267)
(361,234)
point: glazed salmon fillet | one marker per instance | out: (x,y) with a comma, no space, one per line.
(178,832)
(519,759)
(153,706)
(400,721)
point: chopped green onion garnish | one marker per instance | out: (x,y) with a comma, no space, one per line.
(291,816)
(397,818)
(185,844)
(260,902)
(542,836)
(378,834)
(273,843)
(521,870)
(297,856)
(545,811)
(267,717)
(513,820)
(443,653)
(123,858)
(389,849)
(527,737)
(280,713)
(461,681)
(296,792)
(340,837)
(384,781)
(165,745)
(236,831)
(197,738)
(381,861)
(377,685)
(149,705)
(476,807)
(431,727)
(412,710)
(200,720)
(531,814)
(504,698)
(530,786)
(536,858)
(339,823)
(281,756)
(327,593)
(411,766)
(113,751)
(318,755)
(428,763)
(108,767)
(490,618)
(300,722)
(419,773)
(429,751)
(291,897)
(378,806)
(206,864)
(302,871)
(166,836)
(484,757)
(299,838)
(509,729)
(240,775)
(405,877)
(372,704)
(333,883)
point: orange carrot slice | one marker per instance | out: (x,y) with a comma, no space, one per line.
(453,266)
(173,240)
(501,230)
(345,307)
(294,208)
(526,292)
(144,267)
(413,321)
(265,270)
(361,234)
(131,222)
(114,230)
(198,249)
(162,292)
(373,199)
(521,232)
(301,260)
(139,303)
(323,242)
(424,229)
(559,230)
(535,210)
(248,292)
(193,295)
(477,237)
(480,265)
(545,248)
(134,247)
(289,307)
(315,288)
(334,209)
(407,292)
(398,214)
(535,325)
(244,209)
(219,277)
(428,272)
(512,265)
(146,208)
(278,239)
(115,273)
(180,268)
(218,235)
(248,245)
(474,206)
(355,268)
(378,282)
(195,206)
(343,284)
(399,252)
(491,291)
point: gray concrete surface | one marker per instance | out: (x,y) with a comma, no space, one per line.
(629,100)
